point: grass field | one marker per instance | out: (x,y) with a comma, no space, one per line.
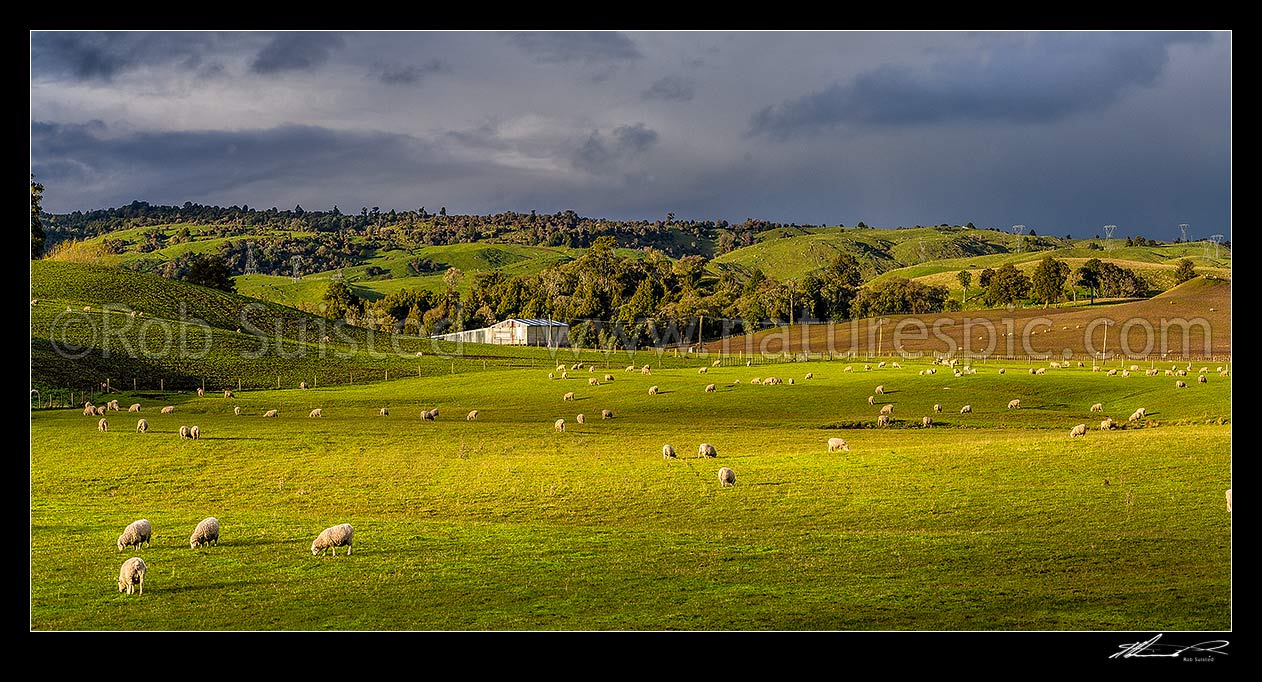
(991,521)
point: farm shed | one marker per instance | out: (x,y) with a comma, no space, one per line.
(516,331)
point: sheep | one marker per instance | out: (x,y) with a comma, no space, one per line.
(206,533)
(706,450)
(895,365)
(881,365)
(228,394)
(593,381)
(317,412)
(194,432)
(89,410)
(668,452)
(958,373)
(135,407)
(883,420)
(872,400)
(550,376)
(271,413)
(606,414)
(302,384)
(1014,404)
(1137,414)
(184,432)
(113,405)
(34,301)
(867,368)
(1202,380)
(645,370)
(703,370)
(1229,500)
(102,425)
(560,368)
(608,377)
(581,418)
(1079,430)
(926,421)
(848,369)
(333,537)
(967,409)
(1180,384)
(790,381)
(888,409)
(136,533)
(709,388)
(1134,368)
(1098,407)
(772,381)
(835,444)
(727,477)
(100,410)
(809,375)
(1041,370)
(1112,373)
(568,396)
(591,368)
(565,375)
(880,390)
(652,390)
(168,409)
(937,407)
(1031,370)
(931,371)
(236,410)
(428,415)
(716,363)
(132,575)
(1182,372)
(1106,424)
(1151,372)
(472,416)
(87,308)
(630,368)
(755,380)
(1169,373)
(559,425)
(142,426)
(1080,364)
(201,393)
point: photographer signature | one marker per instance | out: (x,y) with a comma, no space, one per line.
(1151,649)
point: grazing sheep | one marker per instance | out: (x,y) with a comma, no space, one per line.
(228,394)
(168,409)
(1031,370)
(848,369)
(1151,372)
(835,444)
(772,381)
(194,432)
(565,375)
(134,408)
(1080,364)
(1137,414)
(427,415)
(201,393)
(606,414)
(895,365)
(302,384)
(135,533)
(184,432)
(931,371)
(652,390)
(881,365)
(958,373)
(100,410)
(89,410)
(472,416)
(727,477)
(668,452)
(559,425)
(1202,380)
(593,381)
(608,377)
(550,375)
(1182,372)
(709,388)
(883,420)
(560,368)
(113,405)
(1079,430)
(236,410)
(317,412)
(582,419)
(206,533)
(1229,500)
(102,425)
(967,409)
(142,426)
(790,381)
(1134,368)
(755,380)
(926,421)
(872,400)
(1106,425)
(568,396)
(880,390)
(867,368)
(706,450)
(1098,407)
(1041,370)
(132,575)
(271,413)
(888,409)
(645,370)
(1014,404)
(630,368)
(703,370)
(809,375)
(1112,373)
(591,368)
(716,363)
(1180,384)
(332,538)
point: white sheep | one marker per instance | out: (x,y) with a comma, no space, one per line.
(1041,370)
(89,410)
(581,418)
(429,415)
(184,432)
(606,414)
(550,375)
(593,381)
(608,377)
(134,408)
(1106,424)
(317,412)
(755,380)
(113,405)
(668,452)
(895,365)
(887,409)
(559,425)
(872,400)
(706,450)
(560,368)
(1112,373)
(271,413)
(1002,370)
(727,477)
(1134,368)
(1202,380)
(883,420)
(1098,407)
(630,368)
(716,363)
(132,575)
(1014,404)
(867,368)
(206,533)
(809,375)
(835,444)
(302,384)
(194,432)
(848,368)
(1126,373)
(568,396)
(472,416)
(645,370)
(168,409)
(236,410)
(100,410)
(1031,370)
(772,381)
(653,390)
(1180,384)
(880,390)
(710,388)
(201,392)
(967,409)
(333,537)
(142,426)
(1229,500)
(790,381)
(136,533)
(228,394)
(703,370)
(384,412)
(926,422)
(102,425)
(1079,430)
(937,407)
(565,375)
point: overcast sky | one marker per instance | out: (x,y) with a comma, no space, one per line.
(1060,131)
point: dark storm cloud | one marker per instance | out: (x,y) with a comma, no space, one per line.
(671,88)
(406,74)
(102,55)
(1053,76)
(599,154)
(578,46)
(298,51)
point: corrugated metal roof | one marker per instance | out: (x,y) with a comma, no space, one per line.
(532,322)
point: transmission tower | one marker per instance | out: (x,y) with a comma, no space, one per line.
(295,261)
(1019,230)
(1183,230)
(1216,238)
(251,267)
(1108,236)
(924,253)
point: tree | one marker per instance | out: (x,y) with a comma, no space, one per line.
(983,279)
(37,225)
(1184,272)
(209,271)
(1048,282)
(966,278)
(897,296)
(1007,286)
